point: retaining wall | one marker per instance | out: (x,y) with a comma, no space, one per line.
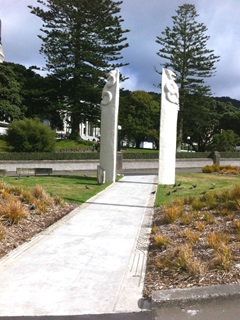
(91,165)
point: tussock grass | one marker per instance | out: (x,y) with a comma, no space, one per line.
(160,240)
(12,210)
(171,214)
(192,237)
(17,203)
(2,233)
(201,212)
(236,227)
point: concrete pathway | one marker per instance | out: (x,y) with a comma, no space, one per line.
(91,262)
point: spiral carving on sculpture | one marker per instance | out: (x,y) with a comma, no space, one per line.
(106,97)
(107,94)
(171,88)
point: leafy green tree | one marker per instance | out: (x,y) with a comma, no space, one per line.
(202,121)
(227,140)
(184,49)
(27,94)
(11,100)
(229,117)
(139,117)
(30,135)
(82,41)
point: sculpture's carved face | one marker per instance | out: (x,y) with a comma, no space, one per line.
(170,74)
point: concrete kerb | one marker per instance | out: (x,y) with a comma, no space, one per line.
(179,297)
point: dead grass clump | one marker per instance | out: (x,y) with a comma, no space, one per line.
(216,240)
(15,190)
(192,237)
(160,240)
(236,226)
(180,259)
(235,192)
(222,252)
(12,210)
(2,233)
(4,194)
(211,168)
(198,204)
(171,214)
(58,201)
(154,228)
(186,220)
(184,260)
(39,193)
(227,169)
(222,258)
(199,225)
(208,217)
(27,197)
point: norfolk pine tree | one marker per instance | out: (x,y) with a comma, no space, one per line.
(184,46)
(82,41)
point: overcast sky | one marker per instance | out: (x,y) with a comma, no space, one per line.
(146,19)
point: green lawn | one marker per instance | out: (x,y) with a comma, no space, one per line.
(70,188)
(203,182)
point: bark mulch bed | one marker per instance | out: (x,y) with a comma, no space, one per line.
(201,251)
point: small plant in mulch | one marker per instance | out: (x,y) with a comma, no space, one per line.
(196,243)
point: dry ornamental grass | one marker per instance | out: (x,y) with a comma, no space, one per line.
(23,214)
(195,242)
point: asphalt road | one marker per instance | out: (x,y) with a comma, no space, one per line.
(211,310)
(122,316)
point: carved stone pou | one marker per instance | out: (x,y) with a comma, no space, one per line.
(109,126)
(168,128)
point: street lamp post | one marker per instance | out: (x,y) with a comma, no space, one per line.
(188,140)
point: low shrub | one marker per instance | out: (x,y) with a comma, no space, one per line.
(30,135)
(211,168)
(227,169)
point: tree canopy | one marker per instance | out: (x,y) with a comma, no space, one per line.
(11,100)
(139,117)
(184,49)
(82,40)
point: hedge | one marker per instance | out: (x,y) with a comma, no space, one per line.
(20,156)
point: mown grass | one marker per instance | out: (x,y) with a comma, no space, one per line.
(75,189)
(72,144)
(204,183)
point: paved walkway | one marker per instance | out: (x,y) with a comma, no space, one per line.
(91,262)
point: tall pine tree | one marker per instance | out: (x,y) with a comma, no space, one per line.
(82,40)
(184,50)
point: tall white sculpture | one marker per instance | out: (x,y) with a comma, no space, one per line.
(2,58)
(168,128)
(109,126)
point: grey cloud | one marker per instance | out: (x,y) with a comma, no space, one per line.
(146,20)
